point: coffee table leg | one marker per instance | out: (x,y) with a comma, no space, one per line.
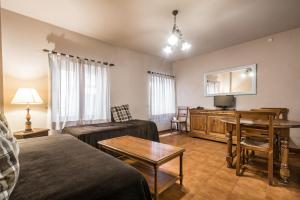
(180,169)
(155,182)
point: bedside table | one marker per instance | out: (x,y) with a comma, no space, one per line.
(36,132)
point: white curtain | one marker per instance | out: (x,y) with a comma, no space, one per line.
(213,87)
(161,97)
(79,92)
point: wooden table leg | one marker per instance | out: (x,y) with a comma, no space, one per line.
(276,145)
(284,168)
(180,169)
(155,182)
(229,156)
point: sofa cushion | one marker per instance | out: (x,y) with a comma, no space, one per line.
(121,113)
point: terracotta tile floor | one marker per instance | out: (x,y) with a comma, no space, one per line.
(206,175)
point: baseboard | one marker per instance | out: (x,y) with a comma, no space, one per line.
(164,131)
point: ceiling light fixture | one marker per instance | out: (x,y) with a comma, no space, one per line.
(173,40)
(167,50)
(176,39)
(185,46)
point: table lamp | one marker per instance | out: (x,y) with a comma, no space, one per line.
(27,96)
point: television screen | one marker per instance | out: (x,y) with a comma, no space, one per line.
(224,101)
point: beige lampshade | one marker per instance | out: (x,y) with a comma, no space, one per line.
(27,96)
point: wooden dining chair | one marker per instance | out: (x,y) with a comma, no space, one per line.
(181,119)
(254,138)
(281,113)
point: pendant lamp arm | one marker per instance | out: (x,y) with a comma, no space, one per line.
(174,12)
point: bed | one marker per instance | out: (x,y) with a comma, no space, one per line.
(60,167)
(93,133)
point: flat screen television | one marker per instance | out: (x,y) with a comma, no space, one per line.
(224,101)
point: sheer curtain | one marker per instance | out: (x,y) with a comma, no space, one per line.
(161,97)
(79,91)
(212,87)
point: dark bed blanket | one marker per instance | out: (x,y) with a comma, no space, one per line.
(93,133)
(64,168)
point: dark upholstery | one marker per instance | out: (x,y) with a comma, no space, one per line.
(61,167)
(93,133)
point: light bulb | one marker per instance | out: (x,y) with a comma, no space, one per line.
(185,46)
(167,50)
(173,40)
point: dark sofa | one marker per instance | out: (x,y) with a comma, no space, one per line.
(93,133)
(63,168)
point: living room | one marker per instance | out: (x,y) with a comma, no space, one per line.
(94,72)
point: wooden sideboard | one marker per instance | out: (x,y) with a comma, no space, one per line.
(207,124)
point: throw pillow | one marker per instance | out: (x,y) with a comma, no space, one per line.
(4,120)
(6,131)
(9,163)
(121,113)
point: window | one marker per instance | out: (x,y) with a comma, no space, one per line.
(212,87)
(161,97)
(79,92)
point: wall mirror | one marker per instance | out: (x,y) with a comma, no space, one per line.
(232,81)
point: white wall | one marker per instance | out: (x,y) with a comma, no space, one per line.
(25,65)
(278,75)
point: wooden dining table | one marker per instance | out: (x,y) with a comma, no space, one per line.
(282,129)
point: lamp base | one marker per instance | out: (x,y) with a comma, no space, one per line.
(28,122)
(28,126)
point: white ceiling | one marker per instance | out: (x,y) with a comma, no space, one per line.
(143,25)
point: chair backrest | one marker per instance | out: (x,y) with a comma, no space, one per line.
(282,113)
(182,113)
(249,130)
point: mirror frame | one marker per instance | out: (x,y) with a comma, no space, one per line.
(254,81)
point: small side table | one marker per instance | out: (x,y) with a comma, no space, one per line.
(36,132)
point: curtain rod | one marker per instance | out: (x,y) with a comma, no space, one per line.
(150,72)
(63,54)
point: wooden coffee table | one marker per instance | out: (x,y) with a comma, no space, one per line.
(150,155)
